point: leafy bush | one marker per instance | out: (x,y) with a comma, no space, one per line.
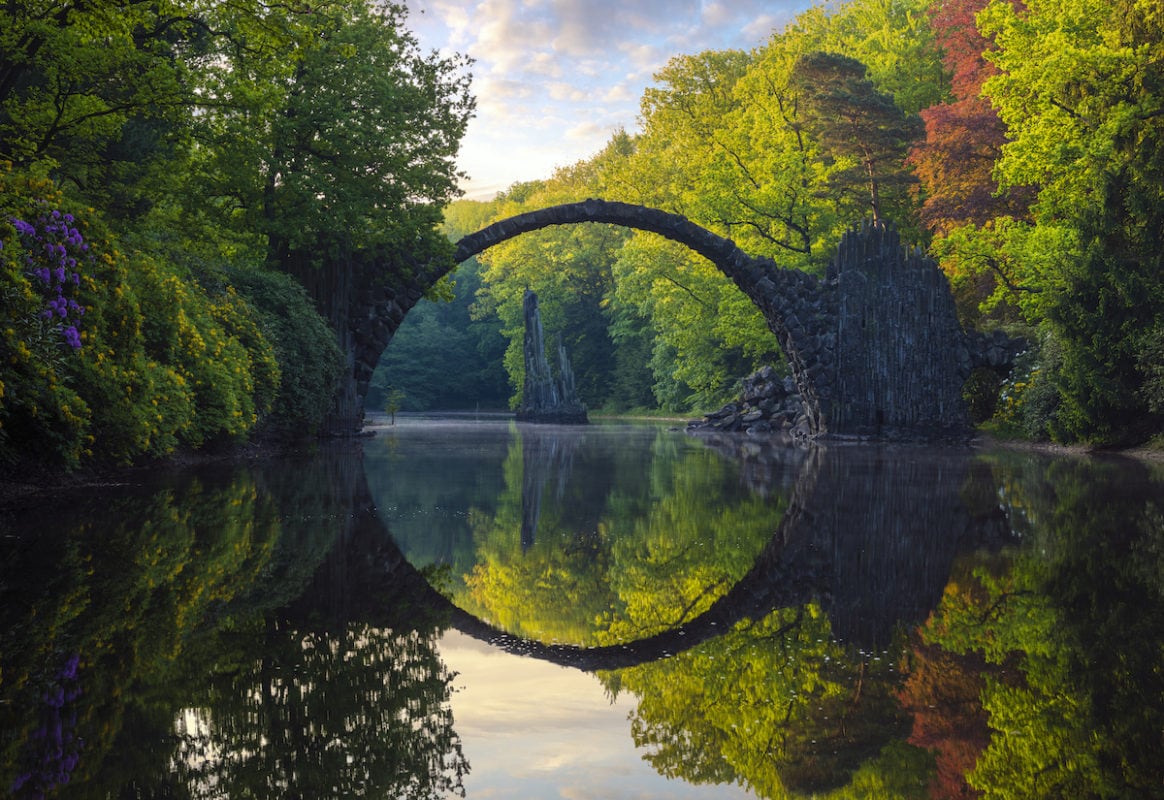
(115,356)
(1028,400)
(42,254)
(1151,364)
(309,359)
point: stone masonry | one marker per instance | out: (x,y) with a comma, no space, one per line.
(875,348)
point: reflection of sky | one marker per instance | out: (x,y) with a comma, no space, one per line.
(536,730)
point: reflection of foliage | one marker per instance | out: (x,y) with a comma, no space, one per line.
(670,565)
(130,601)
(326,715)
(775,705)
(652,552)
(942,692)
(163,593)
(54,749)
(1082,616)
(552,589)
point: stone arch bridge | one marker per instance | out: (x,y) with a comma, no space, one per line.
(875,347)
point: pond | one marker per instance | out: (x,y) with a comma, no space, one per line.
(466,606)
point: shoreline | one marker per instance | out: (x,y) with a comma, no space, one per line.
(16,492)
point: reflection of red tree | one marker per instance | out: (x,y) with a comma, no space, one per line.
(943,692)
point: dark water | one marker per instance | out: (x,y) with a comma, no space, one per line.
(472,607)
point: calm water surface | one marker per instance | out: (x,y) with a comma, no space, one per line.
(473,607)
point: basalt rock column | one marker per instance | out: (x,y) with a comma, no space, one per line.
(546,397)
(901,355)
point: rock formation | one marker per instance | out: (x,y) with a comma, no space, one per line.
(546,397)
(768,406)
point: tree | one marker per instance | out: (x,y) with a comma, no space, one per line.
(569,268)
(1081,89)
(852,120)
(964,137)
(96,94)
(441,357)
(336,140)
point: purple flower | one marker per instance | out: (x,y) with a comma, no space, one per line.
(23,228)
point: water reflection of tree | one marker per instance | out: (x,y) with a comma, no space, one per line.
(778,704)
(126,584)
(1072,630)
(341,714)
(675,524)
(775,705)
(162,595)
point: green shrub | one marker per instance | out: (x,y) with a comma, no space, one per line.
(1028,400)
(115,356)
(309,359)
(1150,358)
(42,255)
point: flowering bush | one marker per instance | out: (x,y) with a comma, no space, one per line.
(54,249)
(40,274)
(158,363)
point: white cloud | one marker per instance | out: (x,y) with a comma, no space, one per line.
(589,132)
(572,71)
(619,93)
(533,729)
(565,91)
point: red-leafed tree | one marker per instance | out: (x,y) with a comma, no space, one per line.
(955,162)
(943,692)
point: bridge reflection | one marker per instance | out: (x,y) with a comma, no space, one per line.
(870,534)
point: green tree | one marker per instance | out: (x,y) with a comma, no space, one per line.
(335,138)
(1080,90)
(569,268)
(706,332)
(444,356)
(97,95)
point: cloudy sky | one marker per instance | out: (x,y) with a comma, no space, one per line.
(555,78)
(536,730)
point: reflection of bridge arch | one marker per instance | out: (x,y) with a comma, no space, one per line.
(869,532)
(875,347)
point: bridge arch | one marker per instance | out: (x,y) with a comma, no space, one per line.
(875,347)
(779,294)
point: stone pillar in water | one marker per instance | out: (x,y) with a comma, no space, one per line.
(546,397)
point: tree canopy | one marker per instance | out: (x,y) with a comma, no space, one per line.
(161,163)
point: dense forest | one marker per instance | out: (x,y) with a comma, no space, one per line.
(182,182)
(1020,143)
